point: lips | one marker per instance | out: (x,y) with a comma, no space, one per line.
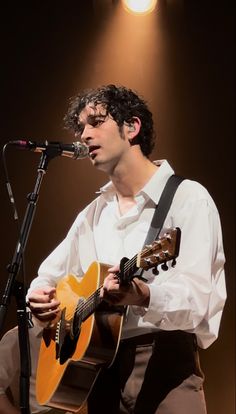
(92,149)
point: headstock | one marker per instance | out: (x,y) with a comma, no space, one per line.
(162,250)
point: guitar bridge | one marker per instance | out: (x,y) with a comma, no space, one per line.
(60,333)
(65,344)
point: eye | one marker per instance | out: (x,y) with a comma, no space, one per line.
(97,121)
(79,129)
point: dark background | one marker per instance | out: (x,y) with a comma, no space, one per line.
(181,59)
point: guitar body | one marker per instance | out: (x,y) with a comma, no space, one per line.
(96,344)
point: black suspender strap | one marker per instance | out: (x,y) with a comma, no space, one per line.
(162,208)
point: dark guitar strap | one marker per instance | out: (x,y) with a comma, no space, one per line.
(158,219)
(162,208)
(161,211)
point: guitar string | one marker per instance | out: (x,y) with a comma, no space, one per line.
(86,307)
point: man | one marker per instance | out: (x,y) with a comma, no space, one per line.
(157,368)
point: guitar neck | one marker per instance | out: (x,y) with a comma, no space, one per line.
(86,308)
(128,267)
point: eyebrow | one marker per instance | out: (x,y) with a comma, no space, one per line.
(91,118)
(94,116)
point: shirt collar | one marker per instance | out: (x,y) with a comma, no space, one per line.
(152,189)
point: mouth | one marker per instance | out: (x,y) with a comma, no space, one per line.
(93,150)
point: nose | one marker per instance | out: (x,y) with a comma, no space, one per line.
(86,135)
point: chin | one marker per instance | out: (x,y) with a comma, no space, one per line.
(102,165)
(96,162)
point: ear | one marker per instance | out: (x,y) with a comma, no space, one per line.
(133,128)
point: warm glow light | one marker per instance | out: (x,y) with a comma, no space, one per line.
(140,6)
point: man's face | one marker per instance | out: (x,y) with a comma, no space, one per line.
(107,145)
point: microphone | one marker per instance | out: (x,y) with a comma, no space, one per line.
(76,150)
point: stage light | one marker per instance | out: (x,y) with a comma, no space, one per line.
(139,6)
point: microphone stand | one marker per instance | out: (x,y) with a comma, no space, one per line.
(17,288)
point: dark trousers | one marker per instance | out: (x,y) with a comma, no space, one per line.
(151,374)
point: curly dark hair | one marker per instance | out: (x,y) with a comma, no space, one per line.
(122,104)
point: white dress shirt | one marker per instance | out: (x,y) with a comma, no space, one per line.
(188,297)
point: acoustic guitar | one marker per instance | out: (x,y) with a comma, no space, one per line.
(86,337)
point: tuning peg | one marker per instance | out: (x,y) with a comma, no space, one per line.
(164,266)
(147,260)
(173,263)
(155,271)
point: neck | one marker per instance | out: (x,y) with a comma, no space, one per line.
(129,178)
